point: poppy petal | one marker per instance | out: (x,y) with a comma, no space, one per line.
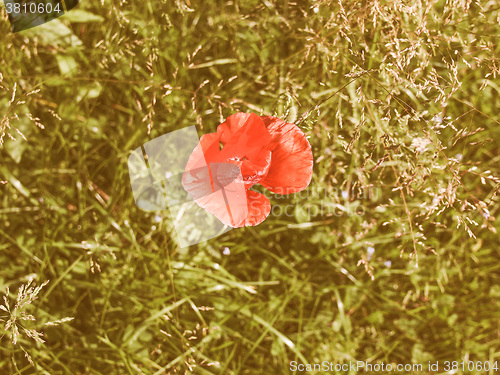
(197,179)
(219,189)
(292,159)
(243,135)
(253,171)
(205,152)
(216,187)
(229,204)
(259,208)
(237,212)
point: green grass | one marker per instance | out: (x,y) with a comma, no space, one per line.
(401,109)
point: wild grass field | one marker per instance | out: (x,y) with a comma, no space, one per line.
(391,255)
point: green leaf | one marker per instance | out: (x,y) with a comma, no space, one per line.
(54,33)
(15,148)
(79,15)
(67,64)
(89,92)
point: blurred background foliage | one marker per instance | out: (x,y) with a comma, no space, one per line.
(391,255)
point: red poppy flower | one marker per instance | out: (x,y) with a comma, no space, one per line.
(246,150)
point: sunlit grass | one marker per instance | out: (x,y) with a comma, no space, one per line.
(391,255)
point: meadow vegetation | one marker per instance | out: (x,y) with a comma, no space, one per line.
(391,255)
